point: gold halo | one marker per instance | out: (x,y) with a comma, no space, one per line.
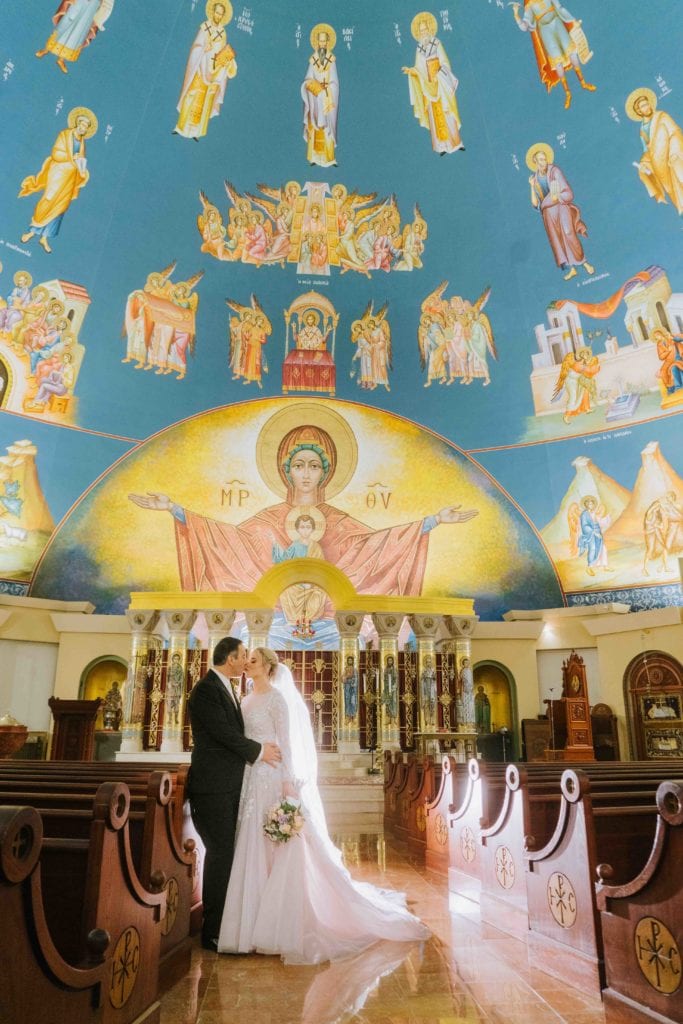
(300,414)
(307,312)
(305,510)
(423,16)
(636,95)
(26,274)
(227,17)
(331,36)
(539,147)
(83,112)
(293,184)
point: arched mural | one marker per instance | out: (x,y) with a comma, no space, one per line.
(459,223)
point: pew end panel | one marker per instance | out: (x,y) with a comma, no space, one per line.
(642,926)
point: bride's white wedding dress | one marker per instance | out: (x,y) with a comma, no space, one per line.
(297,899)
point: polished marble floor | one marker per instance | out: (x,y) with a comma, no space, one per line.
(468,972)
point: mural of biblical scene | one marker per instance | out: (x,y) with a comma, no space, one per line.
(314,226)
(604,535)
(320,94)
(248,332)
(552,196)
(432,87)
(62,176)
(25,520)
(660,167)
(310,321)
(40,354)
(559,43)
(159,323)
(372,337)
(76,22)
(216,501)
(455,339)
(210,64)
(577,388)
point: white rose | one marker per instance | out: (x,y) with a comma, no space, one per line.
(286,828)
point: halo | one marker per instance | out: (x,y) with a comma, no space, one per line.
(539,147)
(227,17)
(299,414)
(307,312)
(423,16)
(25,273)
(305,510)
(83,112)
(331,36)
(637,94)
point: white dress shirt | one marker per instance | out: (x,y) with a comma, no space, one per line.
(227,683)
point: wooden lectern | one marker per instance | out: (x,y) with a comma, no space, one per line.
(571,737)
(74,734)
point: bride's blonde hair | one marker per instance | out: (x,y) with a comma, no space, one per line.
(270,659)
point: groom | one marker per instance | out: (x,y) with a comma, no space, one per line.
(219,754)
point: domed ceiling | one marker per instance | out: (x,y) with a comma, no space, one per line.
(438,251)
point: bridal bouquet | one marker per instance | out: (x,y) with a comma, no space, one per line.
(283,821)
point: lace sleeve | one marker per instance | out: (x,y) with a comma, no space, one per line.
(281,720)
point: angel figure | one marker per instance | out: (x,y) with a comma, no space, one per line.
(432,347)
(278,210)
(479,340)
(183,338)
(412,242)
(576,382)
(211,228)
(139,320)
(249,332)
(372,335)
(349,220)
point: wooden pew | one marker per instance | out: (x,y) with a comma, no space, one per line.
(37,985)
(154,848)
(89,882)
(397,767)
(527,820)
(614,827)
(424,786)
(642,926)
(480,804)
(437,811)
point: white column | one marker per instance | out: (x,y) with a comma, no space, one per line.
(179,625)
(349,625)
(142,625)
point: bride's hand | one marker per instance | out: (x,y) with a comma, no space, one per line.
(289,791)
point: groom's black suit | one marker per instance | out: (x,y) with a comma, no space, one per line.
(219,753)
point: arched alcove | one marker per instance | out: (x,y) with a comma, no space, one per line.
(97,677)
(500,688)
(653,698)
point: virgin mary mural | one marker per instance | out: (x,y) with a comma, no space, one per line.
(275,479)
(308,465)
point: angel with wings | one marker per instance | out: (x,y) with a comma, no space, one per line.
(183,338)
(576,383)
(412,242)
(278,208)
(372,335)
(138,322)
(211,228)
(479,339)
(249,332)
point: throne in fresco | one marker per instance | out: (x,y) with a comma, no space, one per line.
(311,320)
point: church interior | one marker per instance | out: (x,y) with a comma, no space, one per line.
(351,332)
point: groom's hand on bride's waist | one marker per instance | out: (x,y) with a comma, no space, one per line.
(271,754)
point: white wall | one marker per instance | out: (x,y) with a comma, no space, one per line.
(549,665)
(27,680)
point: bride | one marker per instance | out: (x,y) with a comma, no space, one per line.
(296,899)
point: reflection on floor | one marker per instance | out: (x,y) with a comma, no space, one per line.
(467,972)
